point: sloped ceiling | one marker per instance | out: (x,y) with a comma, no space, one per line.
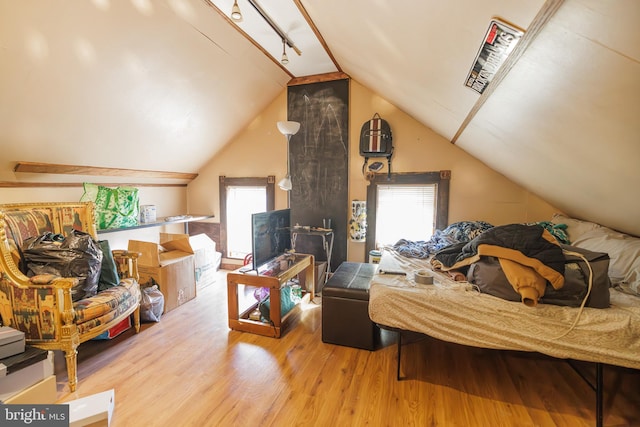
(165,84)
(563,122)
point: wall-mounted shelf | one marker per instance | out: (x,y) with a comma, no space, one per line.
(180,219)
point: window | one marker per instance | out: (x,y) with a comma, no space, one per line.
(239,198)
(241,203)
(414,203)
(406,206)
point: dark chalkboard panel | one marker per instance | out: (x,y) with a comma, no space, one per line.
(319,156)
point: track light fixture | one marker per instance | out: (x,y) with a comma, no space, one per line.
(277,30)
(235,12)
(236,16)
(285,58)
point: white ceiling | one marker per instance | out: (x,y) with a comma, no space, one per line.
(563,123)
(140,77)
(419,59)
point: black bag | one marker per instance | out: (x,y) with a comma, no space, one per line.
(109,270)
(376,141)
(576,273)
(76,255)
(487,275)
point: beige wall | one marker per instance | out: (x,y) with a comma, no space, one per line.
(477,192)
(259,150)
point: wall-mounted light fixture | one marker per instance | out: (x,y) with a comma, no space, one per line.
(288,129)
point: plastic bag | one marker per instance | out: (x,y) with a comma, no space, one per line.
(152,304)
(115,207)
(287,302)
(76,255)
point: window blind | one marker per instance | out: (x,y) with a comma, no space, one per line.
(405,211)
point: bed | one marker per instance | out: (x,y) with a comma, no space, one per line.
(455,311)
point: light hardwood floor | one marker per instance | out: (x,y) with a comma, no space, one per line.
(191,370)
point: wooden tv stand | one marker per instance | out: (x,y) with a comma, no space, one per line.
(276,278)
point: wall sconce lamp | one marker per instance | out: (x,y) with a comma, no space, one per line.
(288,129)
(235,12)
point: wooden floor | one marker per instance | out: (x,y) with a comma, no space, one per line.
(191,370)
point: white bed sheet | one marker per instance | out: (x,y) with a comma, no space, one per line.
(454,311)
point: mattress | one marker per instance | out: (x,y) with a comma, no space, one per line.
(454,311)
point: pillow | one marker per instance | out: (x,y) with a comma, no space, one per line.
(624,251)
(575,227)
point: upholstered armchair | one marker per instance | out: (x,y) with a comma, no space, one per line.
(41,306)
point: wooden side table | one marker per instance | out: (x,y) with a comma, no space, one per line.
(277,278)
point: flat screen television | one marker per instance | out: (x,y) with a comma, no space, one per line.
(270,235)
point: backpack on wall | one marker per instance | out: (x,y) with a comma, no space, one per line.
(376,141)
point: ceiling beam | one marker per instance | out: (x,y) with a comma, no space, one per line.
(315,30)
(317,78)
(50,168)
(245,35)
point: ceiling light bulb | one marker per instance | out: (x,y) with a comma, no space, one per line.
(235,12)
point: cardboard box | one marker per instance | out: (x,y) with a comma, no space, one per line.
(94,410)
(41,393)
(147,213)
(204,250)
(206,259)
(29,356)
(11,342)
(171,266)
(29,374)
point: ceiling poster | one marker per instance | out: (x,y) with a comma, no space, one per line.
(498,43)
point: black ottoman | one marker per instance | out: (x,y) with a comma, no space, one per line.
(345,307)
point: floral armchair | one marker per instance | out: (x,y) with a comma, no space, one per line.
(42,306)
